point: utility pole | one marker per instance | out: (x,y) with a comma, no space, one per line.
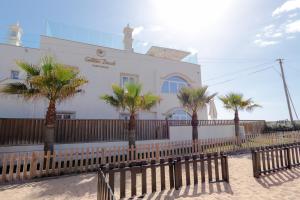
(286,91)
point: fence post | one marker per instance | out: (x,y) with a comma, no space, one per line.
(187,170)
(162,174)
(122,180)
(171,172)
(111,176)
(195,170)
(178,173)
(153,175)
(258,162)
(133,172)
(226,168)
(209,167)
(144,177)
(255,164)
(288,157)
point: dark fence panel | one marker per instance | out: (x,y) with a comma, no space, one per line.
(213,168)
(21,131)
(31,131)
(270,159)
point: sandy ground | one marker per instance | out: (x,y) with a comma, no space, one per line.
(283,185)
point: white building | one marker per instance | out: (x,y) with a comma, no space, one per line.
(160,70)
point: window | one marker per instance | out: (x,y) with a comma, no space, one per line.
(173,85)
(128,78)
(180,114)
(14,74)
(65,115)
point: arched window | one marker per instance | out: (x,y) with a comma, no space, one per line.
(180,114)
(173,84)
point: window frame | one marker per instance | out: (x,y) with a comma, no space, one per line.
(130,77)
(15,74)
(179,85)
(186,115)
(63,114)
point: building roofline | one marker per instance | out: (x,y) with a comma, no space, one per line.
(11,45)
(125,51)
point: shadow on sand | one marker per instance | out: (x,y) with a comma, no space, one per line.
(70,185)
(279,178)
(192,191)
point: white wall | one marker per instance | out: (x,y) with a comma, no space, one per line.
(178,133)
(29,148)
(151,72)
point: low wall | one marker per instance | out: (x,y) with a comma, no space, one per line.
(204,132)
(27,148)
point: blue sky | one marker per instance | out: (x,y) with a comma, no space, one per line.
(237,41)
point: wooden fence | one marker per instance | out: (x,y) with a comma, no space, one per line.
(31,131)
(104,191)
(270,159)
(28,165)
(177,172)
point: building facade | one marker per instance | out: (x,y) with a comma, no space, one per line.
(160,71)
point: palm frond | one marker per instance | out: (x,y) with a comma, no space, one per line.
(149,100)
(194,99)
(251,107)
(63,73)
(51,80)
(111,100)
(133,89)
(20,89)
(235,101)
(30,69)
(130,98)
(72,88)
(47,64)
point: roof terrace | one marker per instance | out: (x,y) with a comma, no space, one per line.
(63,31)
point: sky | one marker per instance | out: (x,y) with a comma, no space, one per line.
(237,42)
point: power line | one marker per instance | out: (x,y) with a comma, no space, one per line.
(251,73)
(237,72)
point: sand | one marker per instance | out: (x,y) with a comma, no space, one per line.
(282,185)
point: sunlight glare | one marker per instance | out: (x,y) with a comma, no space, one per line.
(192,15)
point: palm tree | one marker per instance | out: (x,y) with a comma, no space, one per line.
(129,98)
(194,99)
(236,102)
(49,80)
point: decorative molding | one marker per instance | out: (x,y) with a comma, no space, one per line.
(100,52)
(100,62)
(174,109)
(185,77)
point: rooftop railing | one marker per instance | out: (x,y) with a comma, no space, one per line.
(88,36)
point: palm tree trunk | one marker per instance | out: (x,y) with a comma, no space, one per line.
(131,129)
(195,124)
(50,126)
(237,127)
